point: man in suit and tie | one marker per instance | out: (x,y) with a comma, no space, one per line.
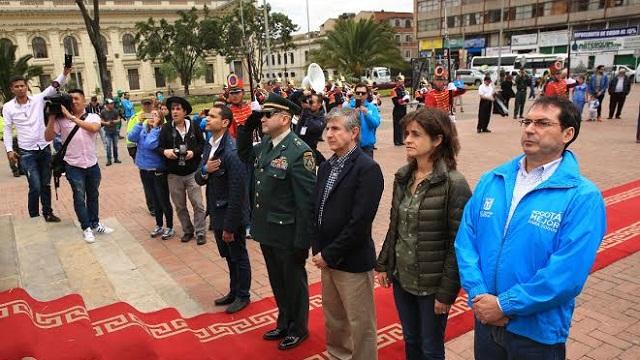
(226,178)
(284,175)
(347,195)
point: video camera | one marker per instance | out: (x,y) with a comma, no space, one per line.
(53,105)
(181,153)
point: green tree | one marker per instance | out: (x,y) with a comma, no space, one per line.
(183,44)
(255,42)
(10,66)
(354,46)
(93,30)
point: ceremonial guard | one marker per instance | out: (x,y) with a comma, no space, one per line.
(400,98)
(558,85)
(284,180)
(235,100)
(438,96)
(277,88)
(291,88)
(335,97)
(421,92)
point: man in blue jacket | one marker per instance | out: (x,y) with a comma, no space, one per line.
(528,238)
(226,178)
(368,115)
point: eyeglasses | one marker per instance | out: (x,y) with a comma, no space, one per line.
(542,124)
(269,114)
(361,93)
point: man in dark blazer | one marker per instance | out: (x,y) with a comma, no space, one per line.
(226,178)
(347,195)
(619,88)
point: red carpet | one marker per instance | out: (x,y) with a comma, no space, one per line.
(64,329)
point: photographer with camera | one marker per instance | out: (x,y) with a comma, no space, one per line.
(181,142)
(26,113)
(78,131)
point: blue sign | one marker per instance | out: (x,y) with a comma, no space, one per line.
(606,33)
(474,43)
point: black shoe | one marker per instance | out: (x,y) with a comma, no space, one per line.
(186,237)
(609,118)
(108,163)
(237,305)
(618,117)
(51,218)
(275,334)
(479,131)
(486,130)
(16,173)
(290,342)
(201,240)
(225,300)
(117,161)
(120,137)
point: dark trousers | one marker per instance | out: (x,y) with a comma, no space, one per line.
(368,150)
(496,343)
(288,279)
(157,182)
(484,114)
(85,184)
(600,100)
(111,146)
(147,188)
(616,100)
(398,113)
(36,164)
(237,258)
(521,98)
(422,329)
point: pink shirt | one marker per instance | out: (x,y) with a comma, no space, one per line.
(81,151)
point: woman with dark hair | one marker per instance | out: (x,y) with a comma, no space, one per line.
(153,170)
(417,256)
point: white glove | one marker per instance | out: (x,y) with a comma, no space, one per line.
(451,86)
(571,81)
(406,98)
(255,106)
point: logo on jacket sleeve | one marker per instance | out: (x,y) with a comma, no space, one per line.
(547,220)
(486,207)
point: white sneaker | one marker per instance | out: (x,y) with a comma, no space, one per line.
(102,229)
(87,235)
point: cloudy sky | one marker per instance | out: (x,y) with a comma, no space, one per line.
(321,10)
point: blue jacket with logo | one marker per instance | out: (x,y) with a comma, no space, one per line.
(368,123)
(147,156)
(540,262)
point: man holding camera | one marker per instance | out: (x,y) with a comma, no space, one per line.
(26,113)
(81,160)
(369,118)
(285,176)
(182,143)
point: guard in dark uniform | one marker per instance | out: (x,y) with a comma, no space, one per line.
(400,100)
(284,179)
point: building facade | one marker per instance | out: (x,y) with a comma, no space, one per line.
(541,26)
(49,29)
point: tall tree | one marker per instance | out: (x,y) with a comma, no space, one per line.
(93,29)
(354,46)
(280,29)
(183,44)
(9,67)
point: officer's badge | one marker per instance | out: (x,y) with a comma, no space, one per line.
(309,161)
(280,163)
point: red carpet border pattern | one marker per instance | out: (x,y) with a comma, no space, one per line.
(47,330)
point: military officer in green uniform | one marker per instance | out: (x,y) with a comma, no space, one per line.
(284,180)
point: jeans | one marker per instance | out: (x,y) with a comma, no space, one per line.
(147,188)
(519,103)
(37,166)
(112,142)
(156,182)
(237,258)
(423,330)
(85,184)
(579,104)
(496,343)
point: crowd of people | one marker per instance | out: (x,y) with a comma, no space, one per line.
(520,245)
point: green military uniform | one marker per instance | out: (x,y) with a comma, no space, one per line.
(284,180)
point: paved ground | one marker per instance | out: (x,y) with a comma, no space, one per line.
(607,320)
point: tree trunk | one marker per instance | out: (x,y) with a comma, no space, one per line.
(93,29)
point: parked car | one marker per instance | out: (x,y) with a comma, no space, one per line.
(471,76)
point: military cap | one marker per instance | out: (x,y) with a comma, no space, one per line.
(276,102)
(182,101)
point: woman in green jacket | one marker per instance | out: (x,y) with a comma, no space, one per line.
(417,257)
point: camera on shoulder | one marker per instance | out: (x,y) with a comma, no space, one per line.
(53,105)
